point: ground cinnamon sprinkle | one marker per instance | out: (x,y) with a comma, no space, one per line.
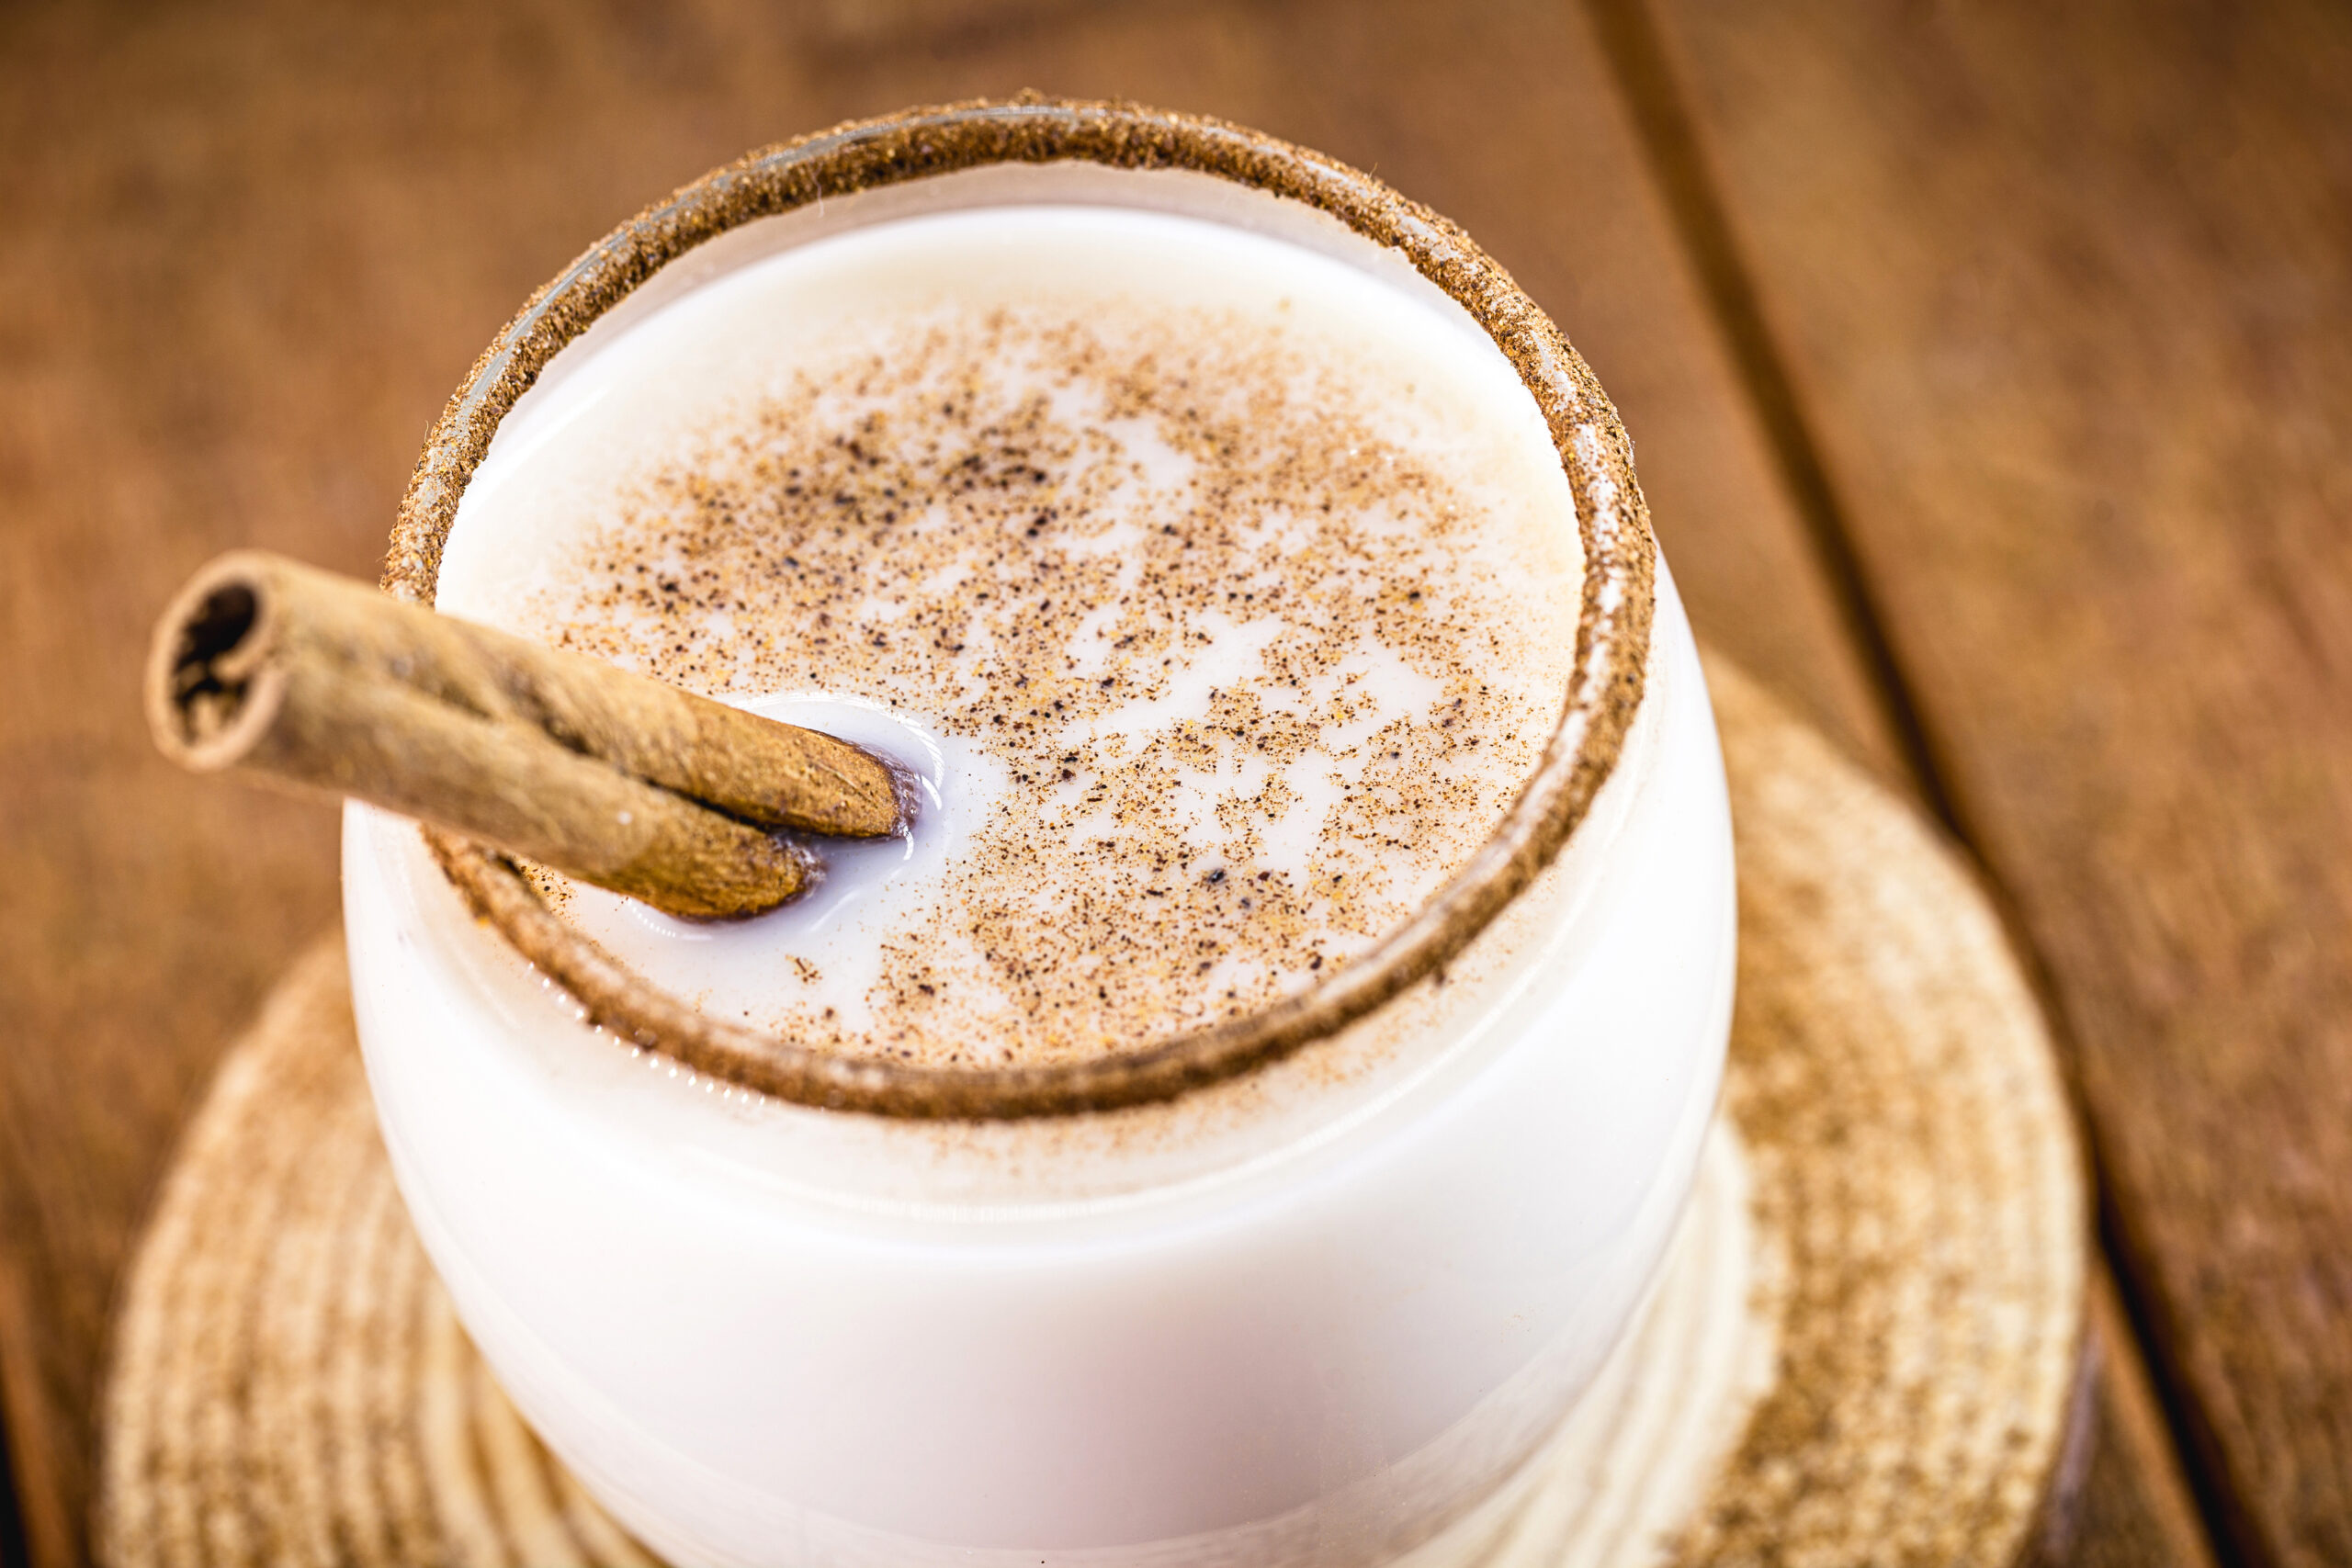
(1257,667)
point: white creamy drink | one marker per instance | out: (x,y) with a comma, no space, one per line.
(1235,604)
(1219,580)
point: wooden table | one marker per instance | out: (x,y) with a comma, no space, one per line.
(1991,367)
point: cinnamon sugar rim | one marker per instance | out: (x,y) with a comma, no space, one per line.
(1604,686)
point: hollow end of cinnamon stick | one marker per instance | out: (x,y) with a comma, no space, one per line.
(211,689)
(297,676)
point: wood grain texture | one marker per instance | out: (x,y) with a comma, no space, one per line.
(2066,293)
(2132,1508)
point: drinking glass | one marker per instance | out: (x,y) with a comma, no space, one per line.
(1310,1287)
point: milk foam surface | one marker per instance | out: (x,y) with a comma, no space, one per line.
(1222,595)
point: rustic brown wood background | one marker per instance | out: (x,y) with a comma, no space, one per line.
(1991,367)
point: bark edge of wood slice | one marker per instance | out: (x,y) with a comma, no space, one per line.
(1862,1349)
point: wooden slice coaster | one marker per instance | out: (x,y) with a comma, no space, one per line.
(1861,1351)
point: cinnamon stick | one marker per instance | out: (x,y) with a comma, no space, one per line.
(268,666)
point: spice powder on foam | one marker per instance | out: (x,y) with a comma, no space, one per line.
(1034,531)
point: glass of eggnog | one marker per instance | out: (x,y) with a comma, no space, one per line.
(1234,1122)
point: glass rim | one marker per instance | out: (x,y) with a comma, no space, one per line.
(1605,683)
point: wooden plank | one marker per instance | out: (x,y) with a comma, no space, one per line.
(2119,1497)
(271,236)
(2067,294)
(2133,1510)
